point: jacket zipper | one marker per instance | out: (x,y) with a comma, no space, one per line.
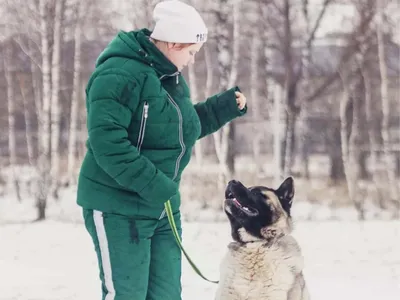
(178,161)
(145,115)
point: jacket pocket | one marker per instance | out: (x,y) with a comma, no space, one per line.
(143,121)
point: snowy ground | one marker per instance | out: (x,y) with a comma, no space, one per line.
(55,260)
(344,260)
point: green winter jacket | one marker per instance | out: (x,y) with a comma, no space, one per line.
(142,126)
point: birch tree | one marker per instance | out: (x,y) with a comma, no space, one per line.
(76,92)
(271,87)
(371,115)
(198,149)
(209,72)
(228,56)
(28,112)
(304,114)
(12,145)
(37,93)
(383,68)
(350,134)
(290,86)
(360,35)
(282,16)
(43,186)
(55,90)
(255,58)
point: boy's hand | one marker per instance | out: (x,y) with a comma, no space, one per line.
(240,100)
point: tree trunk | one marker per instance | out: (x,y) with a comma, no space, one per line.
(41,205)
(198,149)
(304,142)
(28,122)
(76,93)
(44,121)
(362,165)
(304,130)
(257,129)
(354,155)
(289,143)
(335,154)
(277,96)
(336,173)
(389,164)
(272,89)
(236,38)
(37,96)
(221,149)
(12,144)
(349,148)
(210,71)
(222,137)
(55,105)
(290,90)
(231,157)
(369,112)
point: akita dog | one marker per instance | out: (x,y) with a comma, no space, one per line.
(264,261)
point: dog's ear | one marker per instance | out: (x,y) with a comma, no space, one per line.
(285,193)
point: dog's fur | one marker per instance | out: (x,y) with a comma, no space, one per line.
(264,262)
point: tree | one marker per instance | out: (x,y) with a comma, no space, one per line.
(55,90)
(76,92)
(282,20)
(255,58)
(228,57)
(12,145)
(383,68)
(350,135)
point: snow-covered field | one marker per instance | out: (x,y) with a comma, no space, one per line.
(345,260)
(55,260)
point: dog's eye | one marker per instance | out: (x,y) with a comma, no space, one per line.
(258,193)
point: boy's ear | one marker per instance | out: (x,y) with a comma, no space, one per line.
(285,191)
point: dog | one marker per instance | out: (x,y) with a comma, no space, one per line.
(264,261)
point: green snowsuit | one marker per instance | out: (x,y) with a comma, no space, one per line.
(142,126)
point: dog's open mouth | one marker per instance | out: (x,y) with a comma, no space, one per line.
(231,199)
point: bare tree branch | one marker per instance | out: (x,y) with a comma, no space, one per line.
(318,22)
(29,53)
(362,29)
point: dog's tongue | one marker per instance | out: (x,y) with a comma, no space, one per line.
(236,201)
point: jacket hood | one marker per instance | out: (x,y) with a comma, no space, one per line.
(136,45)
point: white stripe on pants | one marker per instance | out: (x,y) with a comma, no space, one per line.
(104,253)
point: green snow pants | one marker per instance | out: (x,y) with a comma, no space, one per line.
(138,258)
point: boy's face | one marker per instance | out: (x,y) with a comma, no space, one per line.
(180,55)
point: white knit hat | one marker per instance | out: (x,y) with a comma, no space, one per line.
(178,22)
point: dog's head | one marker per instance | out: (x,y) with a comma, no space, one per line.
(259,213)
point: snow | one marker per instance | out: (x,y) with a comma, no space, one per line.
(55,260)
(344,260)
